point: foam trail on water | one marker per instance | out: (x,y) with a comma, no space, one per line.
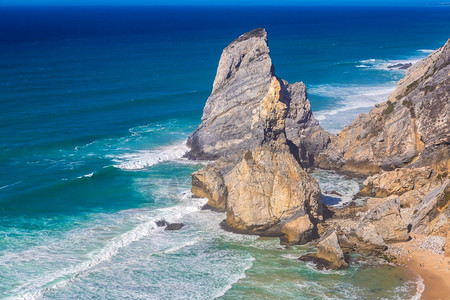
(9,185)
(147,158)
(427,51)
(236,278)
(384,64)
(350,101)
(37,288)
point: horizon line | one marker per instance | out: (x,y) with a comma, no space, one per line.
(224,5)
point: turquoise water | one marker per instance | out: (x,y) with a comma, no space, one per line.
(95,107)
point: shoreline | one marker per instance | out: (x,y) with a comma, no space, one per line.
(428,263)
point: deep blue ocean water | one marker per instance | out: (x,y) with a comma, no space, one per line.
(95,106)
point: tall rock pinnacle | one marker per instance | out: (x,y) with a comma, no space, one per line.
(235,117)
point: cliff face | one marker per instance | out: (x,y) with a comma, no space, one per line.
(411,129)
(233,117)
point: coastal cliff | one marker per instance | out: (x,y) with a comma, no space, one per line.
(261,135)
(410,129)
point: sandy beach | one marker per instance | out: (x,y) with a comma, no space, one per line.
(425,257)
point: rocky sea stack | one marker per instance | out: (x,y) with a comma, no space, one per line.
(261,136)
(261,132)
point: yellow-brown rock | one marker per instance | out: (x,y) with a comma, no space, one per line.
(268,189)
(400,181)
(297,231)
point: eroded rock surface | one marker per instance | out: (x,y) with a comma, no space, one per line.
(411,129)
(268,190)
(233,117)
(400,181)
(329,254)
(260,130)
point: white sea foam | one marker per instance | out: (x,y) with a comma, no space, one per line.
(147,158)
(10,185)
(384,64)
(350,101)
(37,288)
(235,279)
(419,289)
(329,181)
(428,51)
(86,175)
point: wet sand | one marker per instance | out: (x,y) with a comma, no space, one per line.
(430,264)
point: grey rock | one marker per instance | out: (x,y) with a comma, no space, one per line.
(432,213)
(174,226)
(161,223)
(400,66)
(232,122)
(411,129)
(388,221)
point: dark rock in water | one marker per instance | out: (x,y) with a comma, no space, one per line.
(161,223)
(333,192)
(321,264)
(174,226)
(400,66)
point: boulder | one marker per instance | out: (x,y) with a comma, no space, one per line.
(387,222)
(369,239)
(161,223)
(329,254)
(174,226)
(268,189)
(297,231)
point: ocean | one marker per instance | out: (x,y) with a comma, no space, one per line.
(96,104)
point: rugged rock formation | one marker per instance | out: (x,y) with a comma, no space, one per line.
(411,129)
(386,221)
(297,231)
(259,128)
(268,191)
(233,117)
(329,254)
(400,181)
(431,216)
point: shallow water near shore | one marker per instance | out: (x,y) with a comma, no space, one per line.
(93,122)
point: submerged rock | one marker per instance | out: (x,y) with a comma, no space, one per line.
(400,66)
